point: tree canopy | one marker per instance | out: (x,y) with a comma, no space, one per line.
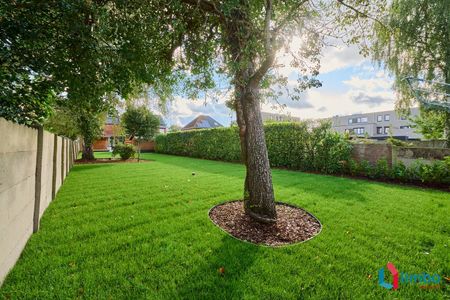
(89,52)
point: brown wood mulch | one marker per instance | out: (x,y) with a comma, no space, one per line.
(293,224)
(108,160)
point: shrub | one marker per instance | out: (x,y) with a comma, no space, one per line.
(289,145)
(437,172)
(125,151)
(399,171)
(382,169)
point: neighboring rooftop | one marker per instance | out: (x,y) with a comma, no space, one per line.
(202,122)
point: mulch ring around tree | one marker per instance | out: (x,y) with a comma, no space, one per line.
(293,224)
(109,160)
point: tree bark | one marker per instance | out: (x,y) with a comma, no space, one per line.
(447,113)
(88,152)
(259,201)
(139,150)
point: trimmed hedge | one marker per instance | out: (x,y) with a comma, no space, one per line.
(295,146)
(290,145)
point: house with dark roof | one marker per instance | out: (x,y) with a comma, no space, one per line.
(202,122)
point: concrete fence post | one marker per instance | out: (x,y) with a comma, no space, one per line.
(38,178)
(62,160)
(70,154)
(55,166)
(66,162)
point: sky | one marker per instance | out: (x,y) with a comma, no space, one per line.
(351,84)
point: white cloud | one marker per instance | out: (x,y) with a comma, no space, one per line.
(339,57)
(379,82)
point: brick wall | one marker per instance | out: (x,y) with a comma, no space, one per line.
(372,152)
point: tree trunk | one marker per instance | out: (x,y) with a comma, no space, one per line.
(242,129)
(447,113)
(139,150)
(447,129)
(88,152)
(259,202)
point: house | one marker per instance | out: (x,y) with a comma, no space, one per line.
(378,125)
(202,122)
(112,132)
(162,125)
(273,117)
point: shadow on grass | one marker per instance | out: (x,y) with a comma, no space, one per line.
(206,281)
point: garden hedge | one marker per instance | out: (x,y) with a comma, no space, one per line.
(296,146)
(290,145)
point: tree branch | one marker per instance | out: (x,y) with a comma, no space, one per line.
(288,17)
(358,12)
(207,6)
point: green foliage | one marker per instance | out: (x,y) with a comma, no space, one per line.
(125,151)
(417,31)
(290,145)
(436,172)
(431,124)
(140,123)
(216,144)
(24,100)
(62,122)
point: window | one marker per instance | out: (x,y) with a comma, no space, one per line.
(362,120)
(386,130)
(359,130)
(405,127)
(379,118)
(379,130)
(387,117)
(357,120)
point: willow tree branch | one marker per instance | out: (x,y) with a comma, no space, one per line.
(358,12)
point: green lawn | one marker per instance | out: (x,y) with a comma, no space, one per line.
(132,231)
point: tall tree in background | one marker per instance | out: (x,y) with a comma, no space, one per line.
(140,124)
(415,41)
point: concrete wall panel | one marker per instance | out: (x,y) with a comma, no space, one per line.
(46,172)
(22,200)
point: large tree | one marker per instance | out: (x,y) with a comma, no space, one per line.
(242,39)
(414,41)
(90,49)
